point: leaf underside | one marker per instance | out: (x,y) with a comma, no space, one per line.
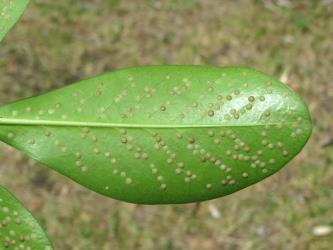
(163,134)
(18,228)
(10,12)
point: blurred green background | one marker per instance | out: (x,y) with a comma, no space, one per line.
(59,42)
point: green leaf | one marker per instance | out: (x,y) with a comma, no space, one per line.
(18,228)
(163,134)
(10,12)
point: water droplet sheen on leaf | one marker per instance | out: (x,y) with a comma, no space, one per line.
(163,134)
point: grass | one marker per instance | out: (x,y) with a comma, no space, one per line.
(59,42)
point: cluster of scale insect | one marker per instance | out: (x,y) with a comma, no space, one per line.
(17,230)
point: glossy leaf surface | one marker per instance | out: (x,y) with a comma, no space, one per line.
(18,228)
(10,12)
(163,134)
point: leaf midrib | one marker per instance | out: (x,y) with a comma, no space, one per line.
(28,122)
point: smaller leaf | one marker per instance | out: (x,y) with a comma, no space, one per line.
(10,12)
(18,228)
